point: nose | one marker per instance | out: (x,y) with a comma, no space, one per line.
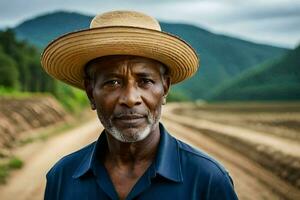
(130,96)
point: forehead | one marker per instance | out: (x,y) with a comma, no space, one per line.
(123,64)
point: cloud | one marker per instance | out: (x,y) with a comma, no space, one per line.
(271,21)
(274,22)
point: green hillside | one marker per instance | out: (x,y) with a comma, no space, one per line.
(275,80)
(41,30)
(222,57)
(22,74)
(20,66)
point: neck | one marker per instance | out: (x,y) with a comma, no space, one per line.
(121,153)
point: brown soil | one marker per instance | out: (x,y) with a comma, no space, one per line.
(29,182)
(247,186)
(251,180)
(279,119)
(279,154)
(19,116)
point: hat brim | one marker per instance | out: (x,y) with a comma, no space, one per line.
(65,57)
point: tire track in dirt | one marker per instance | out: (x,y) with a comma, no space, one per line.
(29,182)
(247,186)
(249,178)
(261,183)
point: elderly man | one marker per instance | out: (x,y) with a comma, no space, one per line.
(126,65)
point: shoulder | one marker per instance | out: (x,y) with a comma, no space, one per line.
(60,176)
(211,177)
(198,158)
(69,163)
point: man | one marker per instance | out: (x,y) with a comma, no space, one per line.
(126,65)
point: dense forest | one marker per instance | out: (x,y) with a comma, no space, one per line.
(21,73)
(20,66)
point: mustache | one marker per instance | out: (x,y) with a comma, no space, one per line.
(130,113)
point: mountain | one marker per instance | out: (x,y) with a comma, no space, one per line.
(222,57)
(42,29)
(274,80)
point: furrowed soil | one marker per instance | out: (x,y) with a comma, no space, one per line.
(252,180)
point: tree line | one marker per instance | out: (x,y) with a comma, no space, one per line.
(20,66)
(21,73)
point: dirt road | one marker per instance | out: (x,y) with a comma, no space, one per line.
(251,181)
(29,182)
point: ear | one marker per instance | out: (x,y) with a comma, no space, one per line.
(89,87)
(166,84)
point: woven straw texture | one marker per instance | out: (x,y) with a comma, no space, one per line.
(65,57)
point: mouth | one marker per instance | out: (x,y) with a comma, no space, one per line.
(130,119)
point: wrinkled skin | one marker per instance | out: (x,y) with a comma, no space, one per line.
(127,92)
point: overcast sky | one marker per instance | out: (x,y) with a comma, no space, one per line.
(274,22)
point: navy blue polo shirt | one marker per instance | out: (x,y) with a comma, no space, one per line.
(179,171)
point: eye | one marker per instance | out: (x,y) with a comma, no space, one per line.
(112,83)
(146,81)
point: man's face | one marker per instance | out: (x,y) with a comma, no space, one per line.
(128,92)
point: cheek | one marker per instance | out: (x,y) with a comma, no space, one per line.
(105,101)
(153,99)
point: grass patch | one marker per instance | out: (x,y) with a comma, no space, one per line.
(9,165)
(73,100)
(15,163)
(3,173)
(13,93)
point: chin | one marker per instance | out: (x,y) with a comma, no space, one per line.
(131,135)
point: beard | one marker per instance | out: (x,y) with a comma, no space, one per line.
(132,134)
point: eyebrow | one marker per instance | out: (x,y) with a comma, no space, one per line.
(119,75)
(112,74)
(144,74)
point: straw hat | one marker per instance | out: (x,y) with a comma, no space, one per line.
(118,33)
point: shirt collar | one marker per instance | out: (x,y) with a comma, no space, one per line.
(88,162)
(167,160)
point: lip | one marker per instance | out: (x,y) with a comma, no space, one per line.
(134,119)
(129,117)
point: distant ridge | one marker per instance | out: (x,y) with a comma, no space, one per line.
(222,57)
(42,29)
(278,79)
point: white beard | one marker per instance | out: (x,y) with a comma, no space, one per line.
(135,137)
(132,137)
